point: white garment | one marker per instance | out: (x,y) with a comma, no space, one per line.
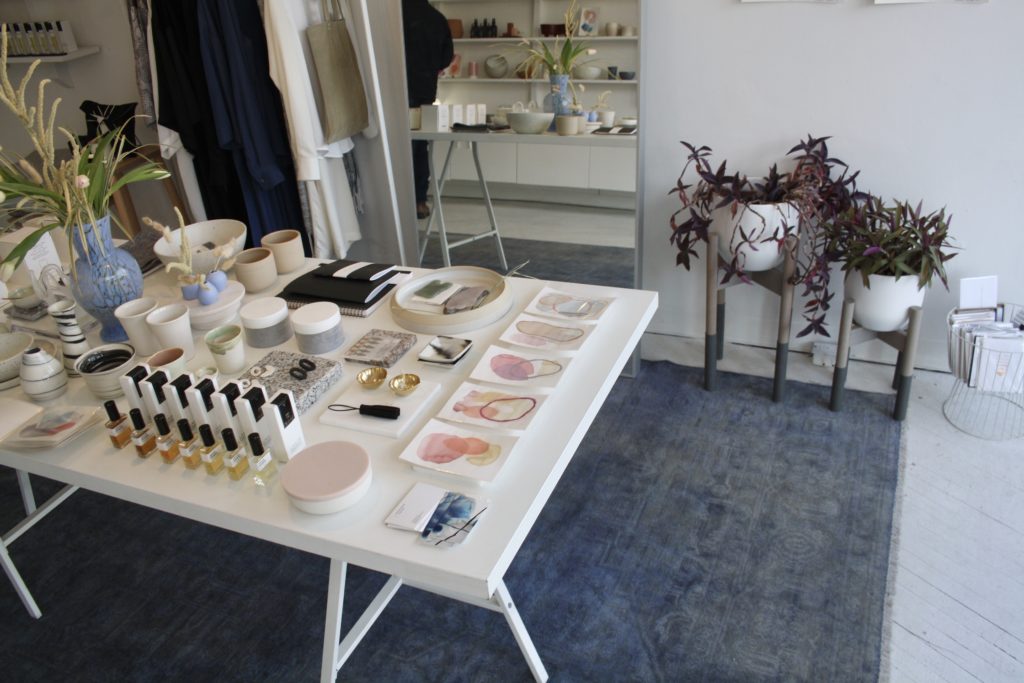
(171,148)
(318,164)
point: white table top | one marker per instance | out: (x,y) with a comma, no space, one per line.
(588,140)
(358,535)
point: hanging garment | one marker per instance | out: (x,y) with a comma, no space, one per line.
(138,23)
(247,114)
(185,105)
(319,165)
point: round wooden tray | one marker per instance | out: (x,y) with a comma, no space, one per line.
(496,305)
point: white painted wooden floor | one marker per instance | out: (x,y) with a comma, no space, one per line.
(957,611)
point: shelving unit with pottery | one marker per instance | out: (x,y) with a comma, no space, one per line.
(497,85)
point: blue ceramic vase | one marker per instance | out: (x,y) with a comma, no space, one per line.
(105,277)
(558,100)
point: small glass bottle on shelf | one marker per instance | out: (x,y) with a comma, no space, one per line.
(261,461)
(119,429)
(234,456)
(211,453)
(143,437)
(165,441)
(189,445)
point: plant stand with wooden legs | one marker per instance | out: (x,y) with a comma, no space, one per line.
(778,281)
(905,342)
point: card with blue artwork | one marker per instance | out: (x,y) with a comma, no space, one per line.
(453,520)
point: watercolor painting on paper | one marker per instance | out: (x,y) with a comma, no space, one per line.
(484,406)
(554,303)
(521,368)
(547,334)
(455,450)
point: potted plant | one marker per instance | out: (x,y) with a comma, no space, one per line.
(755,219)
(204,287)
(74,195)
(559,60)
(890,253)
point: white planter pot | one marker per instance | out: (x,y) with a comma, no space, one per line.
(884,305)
(758,222)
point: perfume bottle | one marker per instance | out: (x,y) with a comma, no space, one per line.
(211,453)
(165,441)
(261,461)
(119,429)
(189,445)
(234,457)
(143,437)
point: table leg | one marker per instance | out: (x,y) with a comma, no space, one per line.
(19,585)
(332,626)
(437,185)
(28,498)
(515,622)
(490,206)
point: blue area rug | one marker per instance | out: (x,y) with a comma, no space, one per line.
(694,537)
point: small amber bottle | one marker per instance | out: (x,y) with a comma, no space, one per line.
(189,445)
(234,456)
(210,453)
(119,428)
(261,461)
(165,441)
(143,437)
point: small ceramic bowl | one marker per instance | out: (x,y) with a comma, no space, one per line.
(102,367)
(403,385)
(171,360)
(12,345)
(371,378)
(627,75)
(25,298)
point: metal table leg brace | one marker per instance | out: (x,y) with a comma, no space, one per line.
(851,334)
(336,654)
(777,281)
(437,183)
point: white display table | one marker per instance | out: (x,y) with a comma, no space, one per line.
(472,572)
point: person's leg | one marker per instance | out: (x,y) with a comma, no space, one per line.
(421,176)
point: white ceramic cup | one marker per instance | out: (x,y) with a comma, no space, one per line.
(256,269)
(227,349)
(629,31)
(287,248)
(611,28)
(415,118)
(606,118)
(567,125)
(171,360)
(132,315)
(171,326)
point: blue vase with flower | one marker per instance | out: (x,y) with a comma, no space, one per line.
(104,277)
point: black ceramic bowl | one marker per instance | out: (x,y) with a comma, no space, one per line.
(103,366)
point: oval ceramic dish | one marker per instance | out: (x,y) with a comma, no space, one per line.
(496,305)
(327,477)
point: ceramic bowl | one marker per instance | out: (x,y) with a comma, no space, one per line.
(405,384)
(201,235)
(587,73)
(12,345)
(628,121)
(102,367)
(371,378)
(496,66)
(530,122)
(627,75)
(25,298)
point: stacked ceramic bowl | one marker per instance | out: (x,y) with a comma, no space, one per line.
(103,366)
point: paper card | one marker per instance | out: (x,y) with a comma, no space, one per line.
(416,508)
(529,369)
(484,406)
(554,303)
(477,455)
(541,333)
(53,427)
(979,292)
(453,520)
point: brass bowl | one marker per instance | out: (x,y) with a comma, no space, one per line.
(371,378)
(403,385)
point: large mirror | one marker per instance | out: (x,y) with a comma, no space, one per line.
(565,203)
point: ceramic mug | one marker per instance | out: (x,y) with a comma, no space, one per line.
(287,248)
(171,326)
(225,344)
(171,360)
(256,269)
(606,118)
(611,28)
(132,315)
(567,125)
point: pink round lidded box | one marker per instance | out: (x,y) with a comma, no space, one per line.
(327,477)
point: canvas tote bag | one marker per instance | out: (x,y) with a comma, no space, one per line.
(343,102)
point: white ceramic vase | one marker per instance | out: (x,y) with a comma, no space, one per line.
(885,305)
(72,339)
(757,221)
(42,376)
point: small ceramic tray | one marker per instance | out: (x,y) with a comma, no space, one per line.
(493,308)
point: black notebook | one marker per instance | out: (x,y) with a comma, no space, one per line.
(316,287)
(345,269)
(346,307)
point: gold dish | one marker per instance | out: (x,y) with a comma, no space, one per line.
(371,378)
(403,385)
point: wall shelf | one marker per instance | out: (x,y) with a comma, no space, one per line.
(532,81)
(61,63)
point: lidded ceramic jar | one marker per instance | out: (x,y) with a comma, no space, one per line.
(266,322)
(42,376)
(318,327)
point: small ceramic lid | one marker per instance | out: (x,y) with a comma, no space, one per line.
(262,313)
(315,318)
(326,471)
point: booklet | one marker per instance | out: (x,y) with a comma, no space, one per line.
(442,518)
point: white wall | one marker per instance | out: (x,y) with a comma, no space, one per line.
(925,99)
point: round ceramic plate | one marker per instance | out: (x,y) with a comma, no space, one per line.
(220,312)
(496,305)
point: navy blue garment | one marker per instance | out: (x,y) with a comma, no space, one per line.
(247,114)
